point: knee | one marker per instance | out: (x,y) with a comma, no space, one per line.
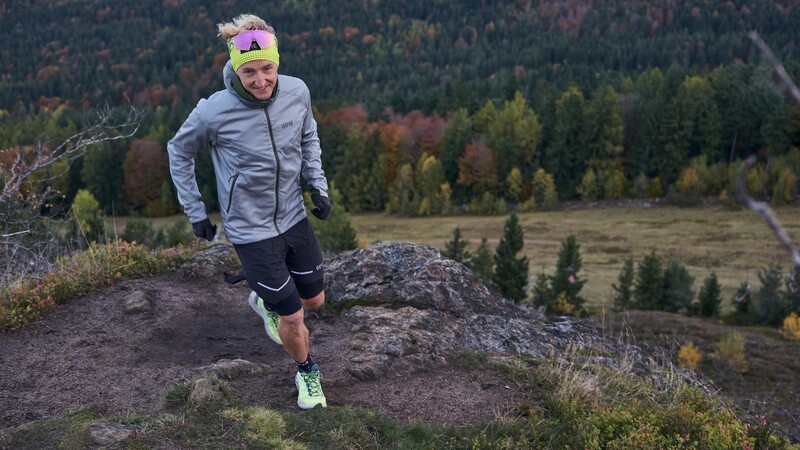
(315,302)
(293,320)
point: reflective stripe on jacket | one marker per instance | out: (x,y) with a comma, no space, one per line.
(258,153)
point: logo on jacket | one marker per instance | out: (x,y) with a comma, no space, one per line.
(287,124)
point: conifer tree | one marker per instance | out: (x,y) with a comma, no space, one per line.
(511,271)
(456,249)
(336,233)
(649,285)
(677,294)
(541,294)
(481,263)
(566,280)
(769,303)
(623,299)
(709,297)
(743,299)
(569,138)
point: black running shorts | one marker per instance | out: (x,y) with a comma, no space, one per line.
(283,269)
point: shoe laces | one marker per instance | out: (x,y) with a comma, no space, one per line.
(311,380)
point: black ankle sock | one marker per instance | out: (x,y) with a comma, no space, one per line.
(305,366)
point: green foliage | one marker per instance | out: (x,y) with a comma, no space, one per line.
(769,303)
(677,294)
(566,281)
(588,189)
(456,249)
(623,297)
(335,234)
(84,272)
(511,271)
(482,261)
(730,352)
(89,217)
(143,232)
(709,297)
(649,285)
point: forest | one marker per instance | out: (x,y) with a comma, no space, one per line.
(426,107)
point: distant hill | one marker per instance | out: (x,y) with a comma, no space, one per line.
(423,54)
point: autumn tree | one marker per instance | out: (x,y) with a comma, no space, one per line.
(145,168)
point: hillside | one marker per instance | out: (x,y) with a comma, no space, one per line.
(412,54)
(417,352)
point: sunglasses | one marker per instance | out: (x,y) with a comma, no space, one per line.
(244,40)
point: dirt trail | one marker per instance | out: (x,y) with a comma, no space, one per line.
(90,353)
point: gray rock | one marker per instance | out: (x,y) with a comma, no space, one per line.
(137,302)
(205,390)
(234,368)
(207,262)
(110,435)
(407,306)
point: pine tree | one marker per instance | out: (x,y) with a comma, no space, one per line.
(457,248)
(623,300)
(677,294)
(649,285)
(335,234)
(511,272)
(743,299)
(481,263)
(709,297)
(541,294)
(566,281)
(769,303)
(569,138)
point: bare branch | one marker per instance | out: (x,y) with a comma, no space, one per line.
(763,209)
(784,80)
(107,127)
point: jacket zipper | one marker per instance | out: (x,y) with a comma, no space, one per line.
(232,181)
(277,171)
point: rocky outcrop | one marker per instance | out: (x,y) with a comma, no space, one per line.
(406,306)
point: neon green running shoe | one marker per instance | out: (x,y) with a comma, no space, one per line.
(309,389)
(271,318)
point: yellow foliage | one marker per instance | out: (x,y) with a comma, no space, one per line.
(791,326)
(562,306)
(689,356)
(730,352)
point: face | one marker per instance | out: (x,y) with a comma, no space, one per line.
(259,78)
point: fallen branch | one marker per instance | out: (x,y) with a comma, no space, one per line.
(763,209)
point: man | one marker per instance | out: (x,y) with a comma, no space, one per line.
(262,137)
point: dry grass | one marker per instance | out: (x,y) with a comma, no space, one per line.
(734,244)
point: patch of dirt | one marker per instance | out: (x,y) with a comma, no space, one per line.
(90,353)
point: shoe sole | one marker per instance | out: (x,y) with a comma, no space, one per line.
(253,302)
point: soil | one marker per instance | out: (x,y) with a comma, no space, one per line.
(90,353)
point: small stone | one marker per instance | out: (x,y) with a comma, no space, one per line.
(109,434)
(205,390)
(137,302)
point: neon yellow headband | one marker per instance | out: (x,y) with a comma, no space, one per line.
(253,45)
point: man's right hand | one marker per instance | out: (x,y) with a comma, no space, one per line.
(204,229)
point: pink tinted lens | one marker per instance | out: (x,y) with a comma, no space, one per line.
(243,40)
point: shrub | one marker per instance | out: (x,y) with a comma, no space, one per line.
(730,352)
(689,356)
(791,327)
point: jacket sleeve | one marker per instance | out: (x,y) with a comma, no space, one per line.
(182,148)
(312,153)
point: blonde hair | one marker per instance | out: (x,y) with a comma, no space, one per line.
(241,23)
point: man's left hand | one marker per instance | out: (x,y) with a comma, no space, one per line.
(323,206)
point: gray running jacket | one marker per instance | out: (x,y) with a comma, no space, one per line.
(259,150)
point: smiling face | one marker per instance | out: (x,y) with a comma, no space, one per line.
(259,78)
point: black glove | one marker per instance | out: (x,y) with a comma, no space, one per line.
(323,206)
(204,229)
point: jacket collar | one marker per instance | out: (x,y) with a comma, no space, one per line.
(234,85)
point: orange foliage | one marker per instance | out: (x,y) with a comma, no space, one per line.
(368,39)
(327,31)
(349,32)
(347,117)
(146,168)
(476,169)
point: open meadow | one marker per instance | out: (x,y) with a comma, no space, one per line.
(734,244)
